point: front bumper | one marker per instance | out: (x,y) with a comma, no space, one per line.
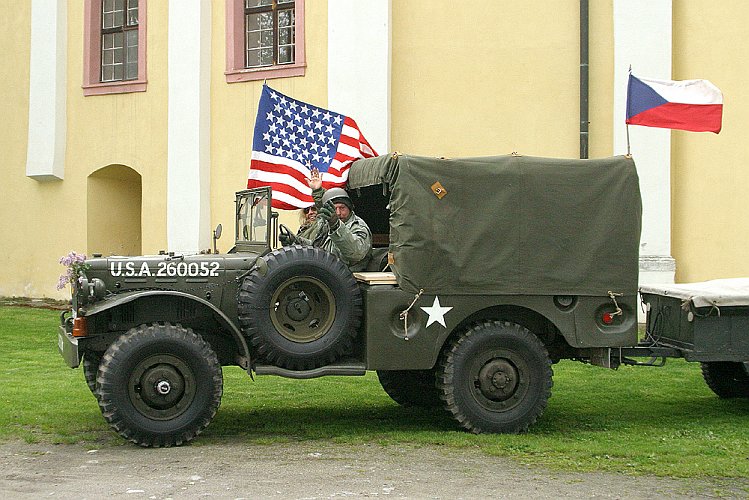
(68,346)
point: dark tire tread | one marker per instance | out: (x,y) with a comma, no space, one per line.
(726,379)
(118,415)
(251,306)
(411,387)
(448,384)
(91,361)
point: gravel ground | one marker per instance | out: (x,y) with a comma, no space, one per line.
(313,470)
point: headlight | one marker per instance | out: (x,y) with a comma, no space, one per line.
(92,290)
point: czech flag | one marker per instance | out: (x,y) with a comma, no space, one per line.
(695,105)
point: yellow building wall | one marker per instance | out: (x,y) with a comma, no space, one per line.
(710,173)
(44,220)
(234,108)
(17,223)
(497,77)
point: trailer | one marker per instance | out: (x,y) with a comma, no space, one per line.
(705,322)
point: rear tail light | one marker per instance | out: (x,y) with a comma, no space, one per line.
(79,326)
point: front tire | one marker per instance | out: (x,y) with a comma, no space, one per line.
(159,385)
(726,379)
(411,387)
(91,361)
(496,377)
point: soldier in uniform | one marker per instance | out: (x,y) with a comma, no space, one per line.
(337,228)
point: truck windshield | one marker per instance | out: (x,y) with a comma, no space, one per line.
(252,217)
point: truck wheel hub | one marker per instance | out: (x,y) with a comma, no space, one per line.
(297,309)
(163,386)
(498,379)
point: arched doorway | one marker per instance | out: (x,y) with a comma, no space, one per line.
(114,211)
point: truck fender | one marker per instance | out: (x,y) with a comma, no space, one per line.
(127,297)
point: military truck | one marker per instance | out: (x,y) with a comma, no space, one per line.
(486,272)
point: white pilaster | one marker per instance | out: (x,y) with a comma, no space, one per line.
(359,58)
(642,39)
(45,154)
(188,163)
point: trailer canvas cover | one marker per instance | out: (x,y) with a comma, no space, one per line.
(510,224)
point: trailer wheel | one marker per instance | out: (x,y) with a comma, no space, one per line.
(302,310)
(411,387)
(159,385)
(91,361)
(495,377)
(726,379)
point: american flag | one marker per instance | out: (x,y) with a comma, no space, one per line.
(293,137)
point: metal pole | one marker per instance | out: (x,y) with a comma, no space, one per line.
(584,79)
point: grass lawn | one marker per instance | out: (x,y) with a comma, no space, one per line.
(638,420)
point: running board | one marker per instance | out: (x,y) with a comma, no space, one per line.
(353,369)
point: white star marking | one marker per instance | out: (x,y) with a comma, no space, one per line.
(436,313)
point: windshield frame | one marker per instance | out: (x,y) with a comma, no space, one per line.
(252,228)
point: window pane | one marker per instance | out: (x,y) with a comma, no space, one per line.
(131,70)
(118,72)
(285,1)
(285,18)
(119,18)
(132,12)
(285,55)
(132,38)
(253,40)
(253,58)
(118,55)
(107,73)
(258,22)
(266,38)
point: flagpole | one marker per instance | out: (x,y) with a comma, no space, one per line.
(629,72)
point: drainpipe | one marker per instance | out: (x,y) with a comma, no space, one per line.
(583,78)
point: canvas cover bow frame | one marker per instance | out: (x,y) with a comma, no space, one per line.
(510,224)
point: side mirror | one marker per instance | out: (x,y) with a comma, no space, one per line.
(216,236)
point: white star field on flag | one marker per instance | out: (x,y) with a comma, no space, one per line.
(301,132)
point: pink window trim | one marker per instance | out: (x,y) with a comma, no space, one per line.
(235,70)
(92,53)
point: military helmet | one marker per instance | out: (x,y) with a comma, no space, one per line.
(337,195)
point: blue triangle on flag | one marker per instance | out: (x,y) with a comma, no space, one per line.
(641,97)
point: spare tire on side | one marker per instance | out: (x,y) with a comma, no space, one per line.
(302,310)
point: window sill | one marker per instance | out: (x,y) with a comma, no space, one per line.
(115,87)
(254,74)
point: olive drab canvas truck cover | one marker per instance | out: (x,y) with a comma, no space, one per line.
(510,224)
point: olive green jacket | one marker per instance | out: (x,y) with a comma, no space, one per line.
(351,241)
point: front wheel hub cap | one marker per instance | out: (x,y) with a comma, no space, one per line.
(163,386)
(498,380)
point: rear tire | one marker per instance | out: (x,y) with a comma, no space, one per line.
(495,377)
(159,385)
(411,387)
(726,379)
